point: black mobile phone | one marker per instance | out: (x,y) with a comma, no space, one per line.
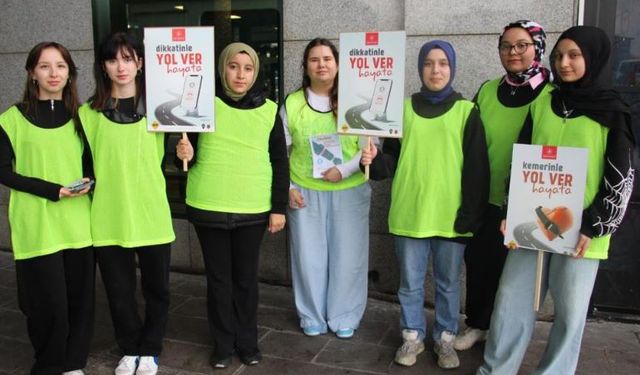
(79,185)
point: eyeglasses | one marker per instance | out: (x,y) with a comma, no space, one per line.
(519,48)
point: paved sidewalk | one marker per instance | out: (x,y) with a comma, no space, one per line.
(608,348)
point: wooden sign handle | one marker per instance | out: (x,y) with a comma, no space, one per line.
(185,162)
(366,167)
(538,286)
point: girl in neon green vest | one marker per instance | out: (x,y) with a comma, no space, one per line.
(130,215)
(237,186)
(328,216)
(439,192)
(581,112)
(504,103)
(41,151)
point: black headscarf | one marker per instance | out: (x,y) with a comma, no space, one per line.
(591,95)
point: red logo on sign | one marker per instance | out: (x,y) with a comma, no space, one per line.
(178,35)
(371,39)
(549,152)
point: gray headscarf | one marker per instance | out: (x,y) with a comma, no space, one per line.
(226,55)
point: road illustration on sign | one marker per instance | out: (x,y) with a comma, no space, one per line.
(166,115)
(356,121)
(524,235)
(550,225)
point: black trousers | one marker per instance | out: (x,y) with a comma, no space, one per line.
(231,262)
(56,293)
(118,270)
(484,258)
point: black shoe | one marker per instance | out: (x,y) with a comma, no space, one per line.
(219,362)
(250,359)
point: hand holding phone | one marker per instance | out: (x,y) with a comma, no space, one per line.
(80,185)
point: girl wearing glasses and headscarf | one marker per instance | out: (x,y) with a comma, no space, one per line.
(504,103)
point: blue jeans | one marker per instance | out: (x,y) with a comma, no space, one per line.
(329,241)
(570,282)
(413,256)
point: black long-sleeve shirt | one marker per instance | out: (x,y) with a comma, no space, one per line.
(46,114)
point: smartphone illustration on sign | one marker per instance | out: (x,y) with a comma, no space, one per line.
(191,94)
(380,98)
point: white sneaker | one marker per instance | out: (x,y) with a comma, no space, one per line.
(447,356)
(469,337)
(74,372)
(411,347)
(127,365)
(148,365)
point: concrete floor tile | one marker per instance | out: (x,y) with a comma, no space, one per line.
(103,315)
(283,366)
(393,336)
(190,285)
(617,335)
(379,310)
(188,329)
(278,319)
(372,331)
(180,356)
(273,296)
(103,340)
(293,346)
(621,361)
(593,361)
(541,331)
(7,262)
(262,333)
(8,278)
(194,307)
(471,359)
(14,325)
(534,353)
(177,301)
(9,299)
(16,356)
(357,356)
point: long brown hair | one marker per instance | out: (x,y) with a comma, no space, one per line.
(109,48)
(306,80)
(69,92)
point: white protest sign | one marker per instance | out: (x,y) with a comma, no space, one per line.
(371,83)
(180,79)
(546,192)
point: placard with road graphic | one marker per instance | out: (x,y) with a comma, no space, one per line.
(546,192)
(371,83)
(180,79)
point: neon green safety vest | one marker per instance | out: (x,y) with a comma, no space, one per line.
(130,207)
(502,126)
(305,122)
(551,129)
(233,171)
(38,225)
(427,188)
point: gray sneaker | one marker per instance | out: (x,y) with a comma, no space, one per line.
(447,356)
(411,347)
(469,337)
